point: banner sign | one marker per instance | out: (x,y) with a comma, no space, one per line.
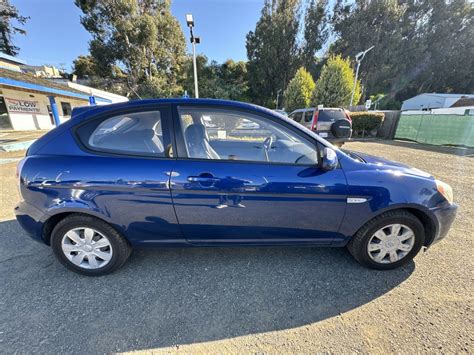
(22,106)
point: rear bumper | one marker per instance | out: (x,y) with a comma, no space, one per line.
(444,217)
(31,220)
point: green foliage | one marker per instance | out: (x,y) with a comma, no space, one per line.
(334,86)
(363,122)
(272,50)
(299,91)
(140,36)
(420,46)
(316,33)
(224,81)
(9,13)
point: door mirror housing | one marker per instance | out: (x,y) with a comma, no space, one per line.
(329,161)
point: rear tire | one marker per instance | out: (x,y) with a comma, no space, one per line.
(88,245)
(398,234)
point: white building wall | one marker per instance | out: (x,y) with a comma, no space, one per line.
(23,121)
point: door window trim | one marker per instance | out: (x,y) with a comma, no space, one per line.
(166,116)
(181,144)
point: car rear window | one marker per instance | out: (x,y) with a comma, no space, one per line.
(330,115)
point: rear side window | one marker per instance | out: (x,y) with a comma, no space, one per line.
(330,115)
(139,133)
(308,116)
(297,116)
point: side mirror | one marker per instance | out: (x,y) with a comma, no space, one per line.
(329,159)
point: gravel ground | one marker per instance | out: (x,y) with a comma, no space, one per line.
(245,300)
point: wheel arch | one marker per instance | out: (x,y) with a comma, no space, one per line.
(54,219)
(428,221)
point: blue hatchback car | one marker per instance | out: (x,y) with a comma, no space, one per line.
(199,172)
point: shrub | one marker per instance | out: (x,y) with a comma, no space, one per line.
(363,123)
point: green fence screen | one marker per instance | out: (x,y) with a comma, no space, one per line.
(437,129)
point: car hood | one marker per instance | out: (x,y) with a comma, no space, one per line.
(390,165)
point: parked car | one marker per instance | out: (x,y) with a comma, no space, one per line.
(147,174)
(282,112)
(333,124)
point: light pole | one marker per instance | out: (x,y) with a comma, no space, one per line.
(359,56)
(194,41)
(278,96)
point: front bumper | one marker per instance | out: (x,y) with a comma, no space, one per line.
(444,217)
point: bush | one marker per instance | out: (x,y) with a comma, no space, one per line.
(365,123)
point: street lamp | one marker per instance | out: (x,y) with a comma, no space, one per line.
(278,96)
(359,56)
(194,41)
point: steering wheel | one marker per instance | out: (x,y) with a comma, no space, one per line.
(267,144)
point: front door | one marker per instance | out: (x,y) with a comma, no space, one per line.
(248,179)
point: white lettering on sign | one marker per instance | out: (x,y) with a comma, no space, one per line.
(22,106)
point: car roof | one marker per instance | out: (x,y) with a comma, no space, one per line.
(315,108)
(87,111)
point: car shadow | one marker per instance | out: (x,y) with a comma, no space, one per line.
(166,297)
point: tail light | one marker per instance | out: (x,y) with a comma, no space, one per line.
(346,113)
(315,120)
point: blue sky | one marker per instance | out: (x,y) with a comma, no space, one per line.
(56,36)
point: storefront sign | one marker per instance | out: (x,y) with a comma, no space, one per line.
(22,106)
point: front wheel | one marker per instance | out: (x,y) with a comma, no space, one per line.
(388,241)
(88,245)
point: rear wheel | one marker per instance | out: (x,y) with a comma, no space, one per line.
(388,241)
(88,245)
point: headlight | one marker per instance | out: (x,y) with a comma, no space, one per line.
(445,190)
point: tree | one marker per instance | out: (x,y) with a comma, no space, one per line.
(9,13)
(272,49)
(225,81)
(316,33)
(299,90)
(140,36)
(334,86)
(420,46)
(84,67)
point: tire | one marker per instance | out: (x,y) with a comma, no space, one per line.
(359,244)
(341,129)
(108,258)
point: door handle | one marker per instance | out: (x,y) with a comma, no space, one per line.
(205,179)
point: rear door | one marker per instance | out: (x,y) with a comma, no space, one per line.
(251,186)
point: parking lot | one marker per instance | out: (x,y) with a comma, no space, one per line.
(246,300)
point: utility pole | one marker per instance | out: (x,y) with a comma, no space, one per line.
(359,56)
(194,41)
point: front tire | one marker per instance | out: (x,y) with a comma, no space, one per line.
(88,245)
(388,241)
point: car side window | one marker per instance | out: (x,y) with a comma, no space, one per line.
(225,134)
(138,133)
(297,116)
(308,116)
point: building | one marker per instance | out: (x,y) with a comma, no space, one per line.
(426,101)
(28,102)
(101,97)
(42,71)
(11,63)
